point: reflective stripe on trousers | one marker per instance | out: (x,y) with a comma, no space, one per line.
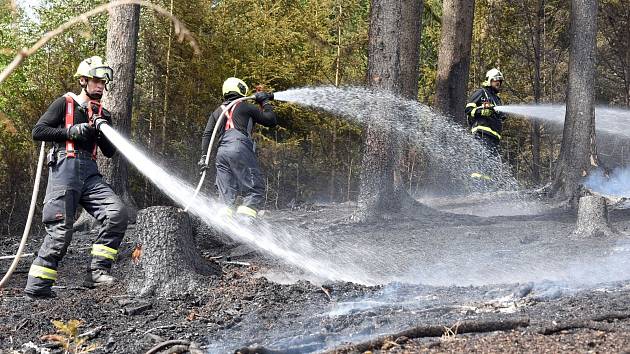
(42,272)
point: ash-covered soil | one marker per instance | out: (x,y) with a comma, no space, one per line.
(504,266)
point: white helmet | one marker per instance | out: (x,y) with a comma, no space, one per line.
(492,74)
(95,67)
(234,85)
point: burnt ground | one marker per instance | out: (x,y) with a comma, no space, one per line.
(442,277)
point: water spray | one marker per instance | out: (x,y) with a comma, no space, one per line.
(278,243)
(614,121)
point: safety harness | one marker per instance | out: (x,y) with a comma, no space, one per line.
(229,124)
(70,150)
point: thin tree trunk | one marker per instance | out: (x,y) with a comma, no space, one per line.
(578,151)
(166,82)
(454,58)
(122,44)
(535,126)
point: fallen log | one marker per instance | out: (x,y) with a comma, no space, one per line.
(577,324)
(595,322)
(436,331)
(166,260)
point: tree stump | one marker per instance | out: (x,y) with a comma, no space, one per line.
(166,260)
(592,219)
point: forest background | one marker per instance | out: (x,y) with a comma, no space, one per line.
(311,155)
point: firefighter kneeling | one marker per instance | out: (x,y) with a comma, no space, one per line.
(71,123)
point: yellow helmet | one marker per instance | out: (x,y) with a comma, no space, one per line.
(492,74)
(235,85)
(95,67)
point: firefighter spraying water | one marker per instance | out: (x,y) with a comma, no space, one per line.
(72,123)
(236,163)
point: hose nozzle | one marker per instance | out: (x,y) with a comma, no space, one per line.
(99,121)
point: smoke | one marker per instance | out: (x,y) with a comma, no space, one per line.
(616,184)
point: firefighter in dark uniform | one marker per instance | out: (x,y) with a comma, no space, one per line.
(483,120)
(237,167)
(71,123)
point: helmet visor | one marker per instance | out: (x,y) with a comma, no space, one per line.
(102,72)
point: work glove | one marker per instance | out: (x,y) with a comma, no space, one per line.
(81,132)
(99,121)
(202,165)
(263,97)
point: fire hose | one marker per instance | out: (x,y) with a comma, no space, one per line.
(31,211)
(214,134)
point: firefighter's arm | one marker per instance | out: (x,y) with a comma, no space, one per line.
(266,117)
(474,103)
(107,148)
(50,126)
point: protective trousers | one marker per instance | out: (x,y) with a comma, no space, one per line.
(482,178)
(238,171)
(74,181)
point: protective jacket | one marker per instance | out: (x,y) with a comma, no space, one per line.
(74,179)
(487,127)
(51,127)
(244,117)
(237,167)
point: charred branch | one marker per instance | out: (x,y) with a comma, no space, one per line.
(437,331)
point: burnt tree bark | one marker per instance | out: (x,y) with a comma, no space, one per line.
(592,218)
(122,44)
(167,261)
(578,151)
(454,58)
(393,54)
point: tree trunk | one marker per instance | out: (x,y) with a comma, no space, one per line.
(166,82)
(578,150)
(592,219)
(122,40)
(454,58)
(393,52)
(167,262)
(535,126)
(122,44)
